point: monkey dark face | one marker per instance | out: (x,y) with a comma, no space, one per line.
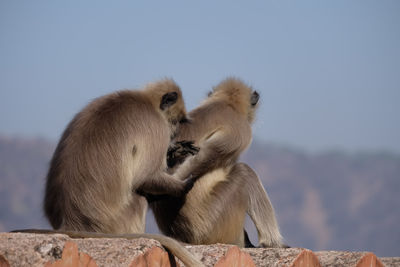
(168,100)
(254,98)
(173,107)
(167,97)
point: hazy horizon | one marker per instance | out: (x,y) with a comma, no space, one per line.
(330,201)
(328,72)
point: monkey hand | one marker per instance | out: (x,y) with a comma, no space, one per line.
(188,147)
(179,151)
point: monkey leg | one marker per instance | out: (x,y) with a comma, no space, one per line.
(214,211)
(259,208)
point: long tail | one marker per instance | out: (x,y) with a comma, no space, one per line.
(170,244)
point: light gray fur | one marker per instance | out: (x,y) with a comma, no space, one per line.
(214,210)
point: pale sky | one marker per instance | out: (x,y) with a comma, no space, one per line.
(328,71)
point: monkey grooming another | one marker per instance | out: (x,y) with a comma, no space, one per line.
(114,147)
(215,208)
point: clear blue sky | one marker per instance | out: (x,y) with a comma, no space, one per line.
(328,71)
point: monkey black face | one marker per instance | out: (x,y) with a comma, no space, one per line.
(254,98)
(168,100)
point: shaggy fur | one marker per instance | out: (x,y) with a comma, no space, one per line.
(214,210)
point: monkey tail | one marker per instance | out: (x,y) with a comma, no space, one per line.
(170,244)
(177,250)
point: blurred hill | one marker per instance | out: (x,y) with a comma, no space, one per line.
(23,166)
(333,200)
(325,201)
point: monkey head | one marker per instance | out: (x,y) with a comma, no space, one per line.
(166,96)
(240,96)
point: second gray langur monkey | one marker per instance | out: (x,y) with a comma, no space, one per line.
(214,210)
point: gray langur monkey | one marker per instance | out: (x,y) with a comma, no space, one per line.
(111,149)
(214,210)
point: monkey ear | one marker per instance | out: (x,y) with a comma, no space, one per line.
(254,98)
(168,100)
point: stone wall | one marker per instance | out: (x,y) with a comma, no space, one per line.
(18,249)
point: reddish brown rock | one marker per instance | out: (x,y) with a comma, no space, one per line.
(306,259)
(369,260)
(235,258)
(3,262)
(72,258)
(154,257)
(86,261)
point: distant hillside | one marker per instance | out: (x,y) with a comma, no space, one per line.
(333,200)
(23,166)
(323,201)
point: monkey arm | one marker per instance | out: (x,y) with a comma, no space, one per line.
(165,184)
(244,192)
(220,148)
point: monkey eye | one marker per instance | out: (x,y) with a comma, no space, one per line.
(254,98)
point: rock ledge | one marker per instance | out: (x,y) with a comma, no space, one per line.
(17,249)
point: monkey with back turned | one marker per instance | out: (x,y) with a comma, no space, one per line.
(214,210)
